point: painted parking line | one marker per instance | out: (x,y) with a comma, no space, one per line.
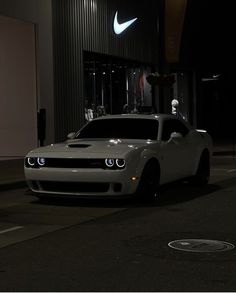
(11,229)
(224,170)
(46,219)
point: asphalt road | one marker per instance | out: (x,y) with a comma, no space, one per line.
(120,245)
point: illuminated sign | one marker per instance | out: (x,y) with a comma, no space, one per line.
(121,27)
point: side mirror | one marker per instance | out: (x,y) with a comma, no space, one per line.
(176,135)
(71,135)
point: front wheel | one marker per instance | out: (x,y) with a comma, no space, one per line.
(203,172)
(149,181)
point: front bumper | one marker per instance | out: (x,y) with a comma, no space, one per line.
(82,182)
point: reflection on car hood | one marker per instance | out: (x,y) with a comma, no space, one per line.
(81,148)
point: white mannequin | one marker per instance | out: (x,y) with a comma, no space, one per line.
(88,114)
(174,104)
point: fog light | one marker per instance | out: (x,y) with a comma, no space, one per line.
(134,178)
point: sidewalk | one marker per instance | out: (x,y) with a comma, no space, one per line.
(12,170)
(11,173)
(224,149)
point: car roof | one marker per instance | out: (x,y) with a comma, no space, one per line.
(159,116)
(137,116)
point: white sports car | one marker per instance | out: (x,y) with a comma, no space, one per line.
(120,155)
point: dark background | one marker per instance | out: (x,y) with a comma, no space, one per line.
(208,47)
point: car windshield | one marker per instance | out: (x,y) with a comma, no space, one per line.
(127,128)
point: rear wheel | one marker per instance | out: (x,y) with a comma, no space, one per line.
(149,181)
(203,172)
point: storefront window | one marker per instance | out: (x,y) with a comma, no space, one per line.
(115,86)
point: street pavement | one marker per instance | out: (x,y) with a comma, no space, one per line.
(121,245)
(11,173)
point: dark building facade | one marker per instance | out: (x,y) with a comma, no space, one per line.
(63,58)
(94,67)
(78,63)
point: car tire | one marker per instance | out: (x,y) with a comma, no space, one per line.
(149,181)
(203,171)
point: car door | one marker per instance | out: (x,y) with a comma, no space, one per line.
(175,152)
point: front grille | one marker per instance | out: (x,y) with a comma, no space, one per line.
(75,163)
(73,187)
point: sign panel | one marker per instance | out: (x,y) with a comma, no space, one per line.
(174,20)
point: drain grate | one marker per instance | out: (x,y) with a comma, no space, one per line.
(201,245)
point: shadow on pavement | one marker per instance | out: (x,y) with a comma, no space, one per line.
(170,194)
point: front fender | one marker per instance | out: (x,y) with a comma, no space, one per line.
(139,159)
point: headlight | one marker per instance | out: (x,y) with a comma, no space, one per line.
(115,163)
(109,163)
(31,162)
(120,163)
(35,162)
(41,161)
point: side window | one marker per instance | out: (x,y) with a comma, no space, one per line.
(181,128)
(167,129)
(173,125)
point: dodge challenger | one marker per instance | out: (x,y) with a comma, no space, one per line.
(121,155)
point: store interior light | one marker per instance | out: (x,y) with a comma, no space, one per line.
(213,77)
(216,76)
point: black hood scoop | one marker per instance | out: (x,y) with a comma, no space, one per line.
(78,145)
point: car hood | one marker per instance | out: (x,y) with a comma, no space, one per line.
(91,148)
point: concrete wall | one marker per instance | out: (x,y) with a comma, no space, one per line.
(38,12)
(18,91)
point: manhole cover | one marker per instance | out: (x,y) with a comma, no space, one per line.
(200,245)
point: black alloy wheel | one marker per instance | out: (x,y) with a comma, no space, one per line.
(203,172)
(149,181)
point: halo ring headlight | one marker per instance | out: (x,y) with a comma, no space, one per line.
(120,163)
(109,163)
(41,161)
(31,162)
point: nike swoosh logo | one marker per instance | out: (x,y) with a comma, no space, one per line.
(120,27)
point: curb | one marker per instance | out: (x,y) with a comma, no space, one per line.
(224,154)
(12,185)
